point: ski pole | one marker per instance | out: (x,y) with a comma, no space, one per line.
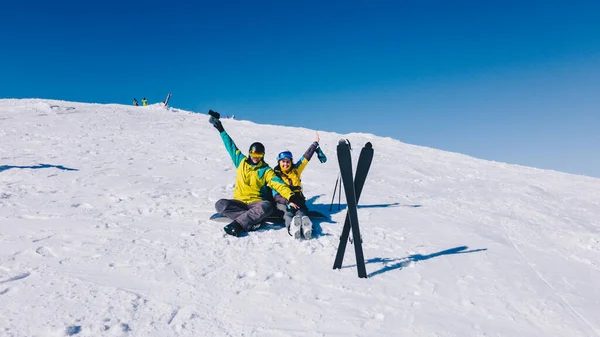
(334,190)
(340,194)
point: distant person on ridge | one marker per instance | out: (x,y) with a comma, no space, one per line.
(250,204)
(296,219)
(135,102)
(144,101)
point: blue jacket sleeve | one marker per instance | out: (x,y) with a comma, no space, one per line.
(236,156)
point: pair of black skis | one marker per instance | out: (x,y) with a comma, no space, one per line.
(352,187)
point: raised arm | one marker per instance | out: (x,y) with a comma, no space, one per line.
(303,161)
(236,155)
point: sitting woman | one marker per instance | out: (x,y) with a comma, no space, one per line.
(296,216)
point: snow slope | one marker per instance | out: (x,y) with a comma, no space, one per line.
(104,231)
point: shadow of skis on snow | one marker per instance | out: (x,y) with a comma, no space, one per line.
(405,261)
(39,166)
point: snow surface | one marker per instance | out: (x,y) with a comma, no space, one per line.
(104,231)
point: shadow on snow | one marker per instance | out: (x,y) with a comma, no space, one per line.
(338,207)
(39,166)
(405,261)
(327,210)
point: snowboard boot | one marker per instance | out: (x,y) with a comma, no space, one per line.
(234,229)
(295,226)
(307,227)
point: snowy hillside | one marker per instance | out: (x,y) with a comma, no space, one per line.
(104,231)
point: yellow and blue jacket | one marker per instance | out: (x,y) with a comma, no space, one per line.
(252,180)
(292,177)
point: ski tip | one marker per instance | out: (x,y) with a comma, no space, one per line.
(369,145)
(345,141)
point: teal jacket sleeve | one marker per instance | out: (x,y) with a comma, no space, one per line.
(233,150)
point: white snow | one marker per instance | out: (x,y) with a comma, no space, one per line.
(104,231)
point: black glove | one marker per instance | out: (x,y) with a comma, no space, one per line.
(214,114)
(298,199)
(214,120)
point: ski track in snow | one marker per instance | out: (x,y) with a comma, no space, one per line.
(104,214)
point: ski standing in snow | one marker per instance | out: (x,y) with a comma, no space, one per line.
(353,188)
(166,102)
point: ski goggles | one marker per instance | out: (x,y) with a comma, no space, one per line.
(256,154)
(284,155)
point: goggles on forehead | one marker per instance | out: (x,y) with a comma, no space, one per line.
(256,154)
(284,155)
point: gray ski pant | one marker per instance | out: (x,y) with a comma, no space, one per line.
(247,215)
(288,214)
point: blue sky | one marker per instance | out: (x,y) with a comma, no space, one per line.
(500,80)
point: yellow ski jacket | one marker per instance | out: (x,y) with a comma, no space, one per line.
(252,180)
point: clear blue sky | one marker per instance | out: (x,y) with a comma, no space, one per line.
(511,81)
